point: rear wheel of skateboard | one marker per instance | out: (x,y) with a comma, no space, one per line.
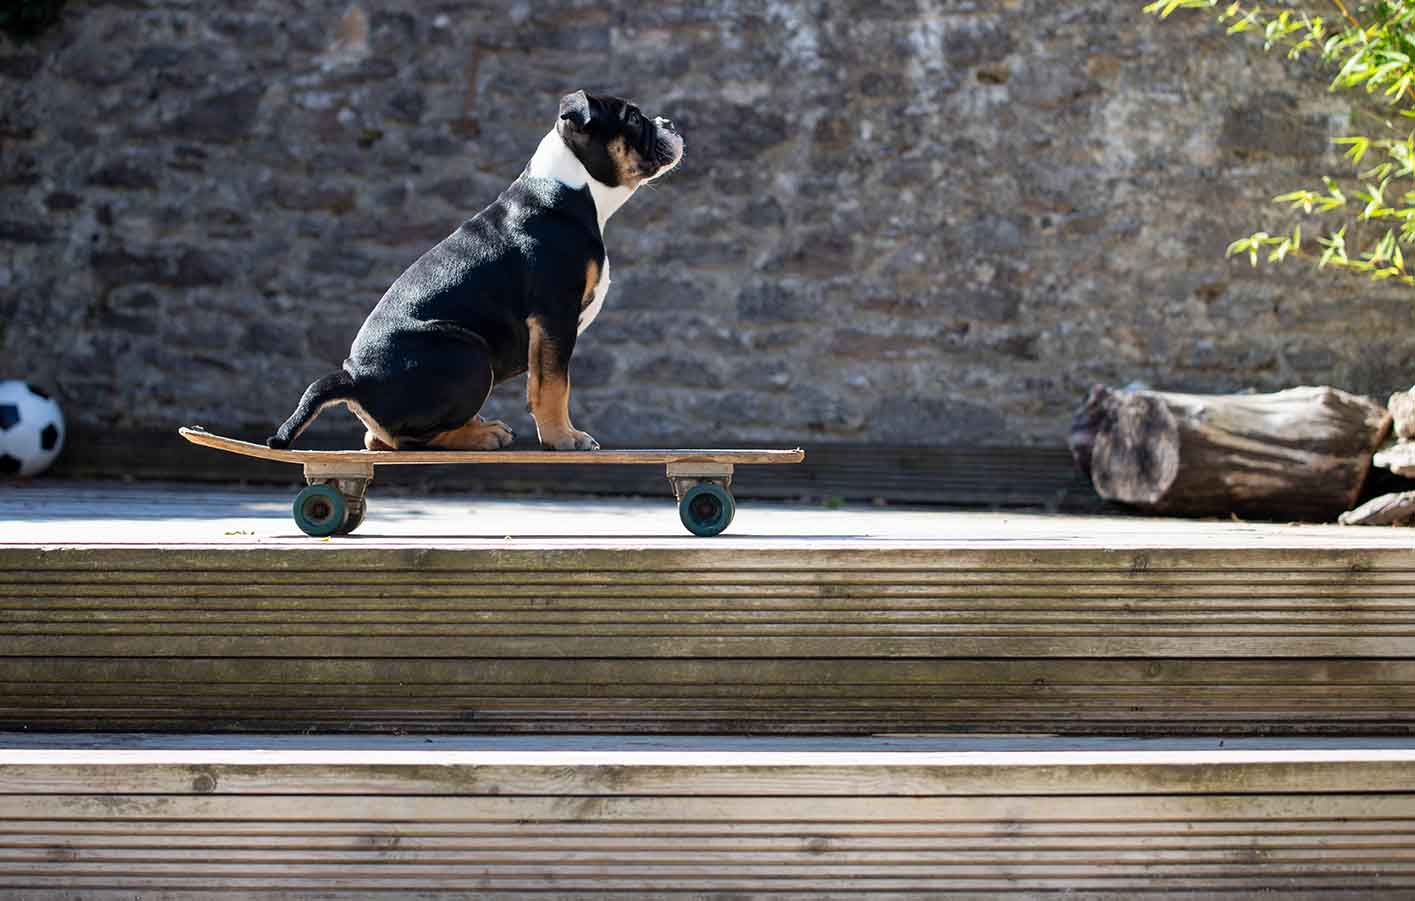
(707,509)
(355,515)
(320,511)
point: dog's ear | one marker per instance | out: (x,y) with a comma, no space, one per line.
(575,109)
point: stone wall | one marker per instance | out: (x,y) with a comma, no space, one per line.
(927,222)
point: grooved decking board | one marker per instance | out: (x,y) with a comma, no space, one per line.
(708,638)
(692,696)
(570,818)
(183,609)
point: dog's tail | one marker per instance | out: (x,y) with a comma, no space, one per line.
(333,388)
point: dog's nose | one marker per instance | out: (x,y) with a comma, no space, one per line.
(666,123)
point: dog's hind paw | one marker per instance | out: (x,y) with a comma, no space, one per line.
(476,435)
(498,434)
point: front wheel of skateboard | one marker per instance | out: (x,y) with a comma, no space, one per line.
(320,510)
(707,509)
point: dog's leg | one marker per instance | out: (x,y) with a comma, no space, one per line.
(548,391)
(478,434)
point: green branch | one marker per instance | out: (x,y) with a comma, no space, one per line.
(1371,50)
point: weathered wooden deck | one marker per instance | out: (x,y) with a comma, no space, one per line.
(94,815)
(103,514)
(179,609)
(1230,706)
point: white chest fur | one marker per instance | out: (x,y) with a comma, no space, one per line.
(601,288)
(555,160)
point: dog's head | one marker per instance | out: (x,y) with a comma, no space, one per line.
(617,144)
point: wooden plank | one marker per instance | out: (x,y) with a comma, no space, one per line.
(237,767)
(795,640)
(1229,561)
(1237,812)
(467,620)
(68,514)
(1335,818)
(414,847)
(862,647)
(909,861)
(534,893)
(759,696)
(260,814)
(265,892)
(646,885)
(711,874)
(396,458)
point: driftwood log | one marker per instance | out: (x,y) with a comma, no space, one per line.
(1402,414)
(1396,509)
(1297,454)
(1398,457)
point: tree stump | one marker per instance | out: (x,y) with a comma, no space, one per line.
(1297,454)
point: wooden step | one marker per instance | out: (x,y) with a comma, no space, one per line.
(783,641)
(175,610)
(254,816)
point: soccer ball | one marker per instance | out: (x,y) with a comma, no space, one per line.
(31,429)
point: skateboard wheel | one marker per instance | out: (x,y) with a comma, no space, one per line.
(320,510)
(354,517)
(706,509)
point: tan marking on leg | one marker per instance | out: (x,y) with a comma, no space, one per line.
(548,391)
(477,434)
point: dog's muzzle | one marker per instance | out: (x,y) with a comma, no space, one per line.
(667,147)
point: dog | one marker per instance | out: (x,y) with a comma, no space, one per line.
(508,292)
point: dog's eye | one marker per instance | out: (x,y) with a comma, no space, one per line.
(633,117)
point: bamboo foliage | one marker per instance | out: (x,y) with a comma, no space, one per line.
(1370,47)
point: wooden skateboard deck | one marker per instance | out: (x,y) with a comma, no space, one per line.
(333,503)
(396,458)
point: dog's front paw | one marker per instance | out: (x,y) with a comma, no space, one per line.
(574,439)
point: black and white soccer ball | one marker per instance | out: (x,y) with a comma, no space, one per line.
(31,429)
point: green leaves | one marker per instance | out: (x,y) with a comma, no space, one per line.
(1164,7)
(1374,54)
(1281,246)
(1356,147)
(1335,251)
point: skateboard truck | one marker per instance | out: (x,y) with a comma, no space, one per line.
(704,494)
(330,485)
(685,475)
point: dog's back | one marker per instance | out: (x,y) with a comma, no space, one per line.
(471,295)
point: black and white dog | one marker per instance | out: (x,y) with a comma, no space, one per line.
(508,292)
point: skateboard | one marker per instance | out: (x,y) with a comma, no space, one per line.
(332,503)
